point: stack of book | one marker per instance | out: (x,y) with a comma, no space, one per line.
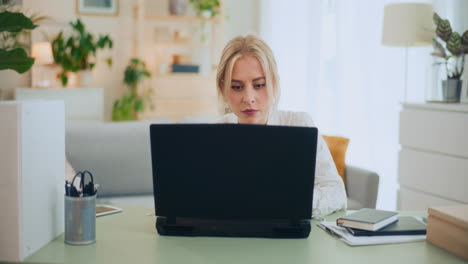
(447,228)
(376,227)
(372,222)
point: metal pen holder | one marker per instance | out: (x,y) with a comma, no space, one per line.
(80,220)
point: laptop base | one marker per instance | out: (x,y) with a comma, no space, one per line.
(233,228)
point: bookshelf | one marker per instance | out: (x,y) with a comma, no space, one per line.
(188,39)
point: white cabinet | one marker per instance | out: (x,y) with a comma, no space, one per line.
(32,173)
(80,103)
(433,160)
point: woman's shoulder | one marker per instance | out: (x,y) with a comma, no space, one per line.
(291,118)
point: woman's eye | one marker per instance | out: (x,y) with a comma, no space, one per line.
(236,87)
(260,85)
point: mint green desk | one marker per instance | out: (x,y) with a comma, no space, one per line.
(130,237)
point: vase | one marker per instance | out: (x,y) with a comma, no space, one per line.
(85,78)
(207,13)
(451,90)
(73,80)
(177,7)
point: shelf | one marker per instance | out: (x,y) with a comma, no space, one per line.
(439,106)
(169,45)
(183,75)
(182,18)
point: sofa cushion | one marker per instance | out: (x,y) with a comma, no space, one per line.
(338,146)
(354,205)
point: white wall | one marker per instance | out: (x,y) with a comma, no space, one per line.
(455,11)
(241,18)
(120,28)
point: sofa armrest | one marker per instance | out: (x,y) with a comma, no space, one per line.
(362,186)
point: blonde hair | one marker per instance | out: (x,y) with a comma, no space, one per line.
(248,45)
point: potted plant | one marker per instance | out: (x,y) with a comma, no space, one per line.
(77,53)
(206,8)
(452,55)
(13,56)
(131,103)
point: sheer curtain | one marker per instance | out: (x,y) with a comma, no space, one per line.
(332,65)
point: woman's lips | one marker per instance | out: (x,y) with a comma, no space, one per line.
(250,111)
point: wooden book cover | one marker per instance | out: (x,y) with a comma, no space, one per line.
(448,236)
(455,214)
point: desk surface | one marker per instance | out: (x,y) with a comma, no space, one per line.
(130,237)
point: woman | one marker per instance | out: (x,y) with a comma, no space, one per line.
(248,80)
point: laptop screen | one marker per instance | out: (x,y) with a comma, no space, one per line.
(231,171)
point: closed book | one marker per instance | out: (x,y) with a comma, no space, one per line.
(368,219)
(185,68)
(447,228)
(406,225)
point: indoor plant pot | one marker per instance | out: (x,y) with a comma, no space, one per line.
(451,90)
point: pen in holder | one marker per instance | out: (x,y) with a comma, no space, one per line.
(80,211)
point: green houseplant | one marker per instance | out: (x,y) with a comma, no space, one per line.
(206,8)
(12,55)
(131,103)
(452,56)
(77,53)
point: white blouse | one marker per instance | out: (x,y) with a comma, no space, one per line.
(329,192)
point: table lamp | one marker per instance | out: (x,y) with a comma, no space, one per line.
(407,25)
(42,53)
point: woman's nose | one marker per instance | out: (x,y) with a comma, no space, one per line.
(249,96)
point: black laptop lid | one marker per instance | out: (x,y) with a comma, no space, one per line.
(230,171)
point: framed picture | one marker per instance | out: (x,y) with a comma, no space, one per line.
(97,7)
(11,2)
(464,90)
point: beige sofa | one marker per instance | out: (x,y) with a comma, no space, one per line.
(119,156)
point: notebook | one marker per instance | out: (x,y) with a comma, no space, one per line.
(406,225)
(368,219)
(233,180)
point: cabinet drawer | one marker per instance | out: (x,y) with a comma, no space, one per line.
(433,173)
(410,200)
(438,131)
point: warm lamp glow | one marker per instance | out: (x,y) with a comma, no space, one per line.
(42,52)
(408,24)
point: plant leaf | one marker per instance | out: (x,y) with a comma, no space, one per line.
(464,49)
(439,49)
(436,18)
(16,59)
(139,105)
(109,61)
(15,22)
(454,43)
(464,38)
(444,30)
(64,78)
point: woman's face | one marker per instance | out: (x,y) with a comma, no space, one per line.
(248,95)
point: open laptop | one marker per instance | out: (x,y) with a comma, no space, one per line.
(233,180)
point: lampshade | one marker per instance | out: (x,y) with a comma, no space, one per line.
(42,52)
(408,24)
